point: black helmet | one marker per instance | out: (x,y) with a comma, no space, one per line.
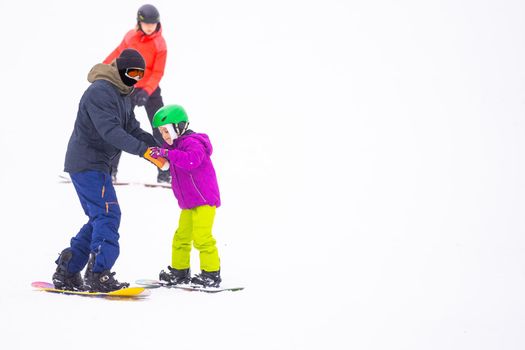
(148,14)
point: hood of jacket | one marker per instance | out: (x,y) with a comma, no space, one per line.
(110,73)
(203,139)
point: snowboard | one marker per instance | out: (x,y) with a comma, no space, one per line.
(66,180)
(128,293)
(147,283)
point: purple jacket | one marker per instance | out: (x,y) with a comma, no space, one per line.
(193,178)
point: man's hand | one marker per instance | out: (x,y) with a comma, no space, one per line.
(139,97)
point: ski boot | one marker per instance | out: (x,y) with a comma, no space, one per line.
(62,279)
(207,279)
(164,176)
(101,281)
(174,276)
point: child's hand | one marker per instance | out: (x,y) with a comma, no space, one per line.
(159,161)
(156,152)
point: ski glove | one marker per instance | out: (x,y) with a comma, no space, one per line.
(160,162)
(139,97)
(157,152)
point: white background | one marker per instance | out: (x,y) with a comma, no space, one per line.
(370,158)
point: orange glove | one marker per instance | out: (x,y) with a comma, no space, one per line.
(160,162)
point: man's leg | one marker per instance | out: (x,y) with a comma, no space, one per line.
(153,104)
(114,166)
(95,189)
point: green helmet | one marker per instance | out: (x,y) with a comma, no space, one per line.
(170,114)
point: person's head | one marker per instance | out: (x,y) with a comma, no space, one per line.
(172,122)
(148,19)
(131,66)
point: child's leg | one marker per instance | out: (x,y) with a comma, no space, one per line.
(181,246)
(203,240)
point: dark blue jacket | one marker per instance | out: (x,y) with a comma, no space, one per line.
(105,124)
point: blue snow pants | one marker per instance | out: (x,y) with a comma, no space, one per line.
(100,234)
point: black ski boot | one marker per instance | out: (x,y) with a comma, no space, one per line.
(174,276)
(104,282)
(207,279)
(62,279)
(164,176)
(101,281)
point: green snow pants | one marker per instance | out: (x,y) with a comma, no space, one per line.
(195,226)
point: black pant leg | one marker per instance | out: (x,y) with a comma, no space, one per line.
(152,106)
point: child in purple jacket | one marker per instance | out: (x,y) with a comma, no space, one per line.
(194,184)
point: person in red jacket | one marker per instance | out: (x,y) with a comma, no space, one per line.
(147,39)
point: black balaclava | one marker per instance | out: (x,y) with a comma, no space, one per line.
(129,58)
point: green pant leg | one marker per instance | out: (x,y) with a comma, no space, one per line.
(203,240)
(181,246)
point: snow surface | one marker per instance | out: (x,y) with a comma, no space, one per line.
(371,162)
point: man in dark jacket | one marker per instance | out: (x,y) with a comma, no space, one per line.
(105,126)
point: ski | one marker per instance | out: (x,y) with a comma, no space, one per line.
(128,293)
(66,180)
(148,283)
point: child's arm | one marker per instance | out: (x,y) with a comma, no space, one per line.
(123,45)
(187,159)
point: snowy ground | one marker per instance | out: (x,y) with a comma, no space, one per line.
(370,156)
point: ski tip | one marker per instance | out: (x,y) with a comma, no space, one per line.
(148,283)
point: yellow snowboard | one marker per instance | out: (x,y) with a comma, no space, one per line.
(130,292)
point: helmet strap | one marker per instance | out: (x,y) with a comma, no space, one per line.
(181,127)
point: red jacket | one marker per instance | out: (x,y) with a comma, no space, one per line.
(152,48)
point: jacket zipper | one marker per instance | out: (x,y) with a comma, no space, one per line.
(194,185)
